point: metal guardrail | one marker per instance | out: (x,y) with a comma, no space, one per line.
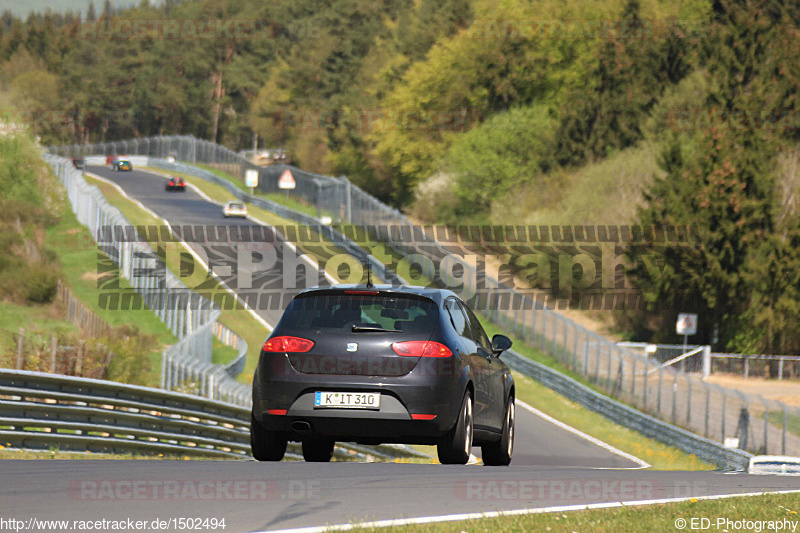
(705,449)
(42,411)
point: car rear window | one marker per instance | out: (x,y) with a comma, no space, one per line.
(236,206)
(339,312)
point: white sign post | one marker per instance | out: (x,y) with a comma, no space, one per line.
(251,179)
(686,325)
(287,182)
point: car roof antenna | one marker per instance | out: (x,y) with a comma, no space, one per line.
(369,273)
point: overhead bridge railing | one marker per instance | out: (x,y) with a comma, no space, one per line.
(41,411)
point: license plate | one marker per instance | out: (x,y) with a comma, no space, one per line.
(348,400)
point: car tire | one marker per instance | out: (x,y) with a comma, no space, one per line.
(455,447)
(499,453)
(266,445)
(318,450)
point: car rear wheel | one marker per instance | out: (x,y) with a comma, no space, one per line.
(266,445)
(456,446)
(318,451)
(499,453)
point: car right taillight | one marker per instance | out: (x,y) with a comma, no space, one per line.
(288,344)
(421,349)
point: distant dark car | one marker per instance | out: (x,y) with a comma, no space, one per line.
(121,164)
(79,163)
(382,365)
(176,184)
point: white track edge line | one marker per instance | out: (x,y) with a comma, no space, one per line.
(581,434)
(188,248)
(516,512)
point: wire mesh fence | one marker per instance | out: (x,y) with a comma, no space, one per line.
(760,425)
(188,316)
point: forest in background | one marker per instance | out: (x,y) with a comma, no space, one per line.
(545,112)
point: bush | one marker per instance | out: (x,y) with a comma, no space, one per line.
(131,361)
(508,150)
(41,285)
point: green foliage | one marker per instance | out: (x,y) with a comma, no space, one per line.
(743,269)
(505,152)
(130,362)
(626,81)
(40,284)
(29,201)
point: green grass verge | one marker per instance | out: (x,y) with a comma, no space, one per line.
(792,421)
(41,319)
(662,517)
(659,455)
(80,260)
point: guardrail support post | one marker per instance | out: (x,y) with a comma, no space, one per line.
(766,424)
(706,361)
(783,435)
(658,399)
(708,404)
(724,412)
(689,403)
(674,397)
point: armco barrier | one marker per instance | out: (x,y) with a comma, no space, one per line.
(705,449)
(48,411)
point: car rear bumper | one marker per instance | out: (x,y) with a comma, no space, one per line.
(286,404)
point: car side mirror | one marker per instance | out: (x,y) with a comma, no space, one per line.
(500,343)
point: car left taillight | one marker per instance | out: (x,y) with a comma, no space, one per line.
(421,349)
(288,344)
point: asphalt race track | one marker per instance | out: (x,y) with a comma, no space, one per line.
(552,467)
(254,496)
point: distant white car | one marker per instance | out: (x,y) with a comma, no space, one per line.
(234,209)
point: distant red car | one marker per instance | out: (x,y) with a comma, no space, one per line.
(176,184)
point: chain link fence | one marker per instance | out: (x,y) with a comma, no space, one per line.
(190,317)
(760,425)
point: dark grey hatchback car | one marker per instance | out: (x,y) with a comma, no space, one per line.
(378,365)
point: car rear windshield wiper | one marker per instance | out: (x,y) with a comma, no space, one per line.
(375,329)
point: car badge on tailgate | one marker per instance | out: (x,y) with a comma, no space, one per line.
(352,346)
